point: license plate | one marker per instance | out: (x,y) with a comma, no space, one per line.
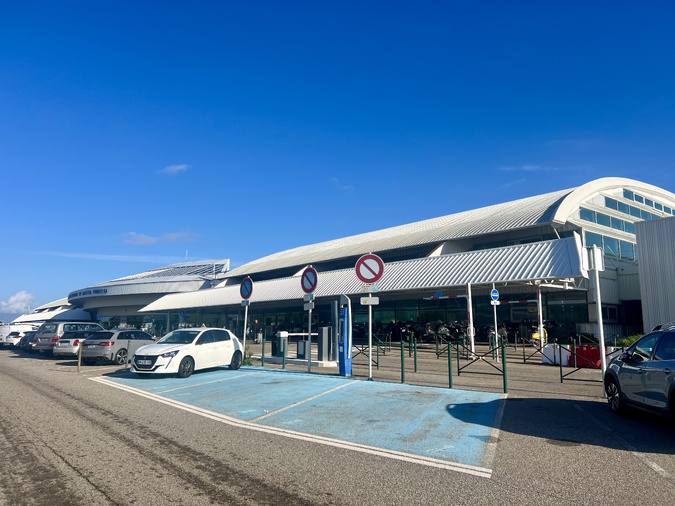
(92,345)
(144,362)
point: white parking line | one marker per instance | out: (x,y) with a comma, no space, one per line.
(205,383)
(272,413)
(645,460)
(347,445)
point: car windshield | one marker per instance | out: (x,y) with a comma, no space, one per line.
(179,337)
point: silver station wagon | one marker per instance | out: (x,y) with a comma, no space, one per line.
(113,345)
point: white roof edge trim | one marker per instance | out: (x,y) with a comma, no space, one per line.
(585,191)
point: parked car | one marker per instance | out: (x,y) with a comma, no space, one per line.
(12,333)
(26,343)
(184,351)
(13,338)
(644,375)
(69,344)
(113,345)
(49,333)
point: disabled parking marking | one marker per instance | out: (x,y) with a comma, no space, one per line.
(309,399)
(448,429)
(195,385)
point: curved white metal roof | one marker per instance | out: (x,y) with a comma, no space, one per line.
(553,209)
(547,260)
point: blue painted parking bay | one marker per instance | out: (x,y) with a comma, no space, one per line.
(447,428)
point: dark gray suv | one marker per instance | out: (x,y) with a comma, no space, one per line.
(644,375)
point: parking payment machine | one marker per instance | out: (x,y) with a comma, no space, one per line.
(345,336)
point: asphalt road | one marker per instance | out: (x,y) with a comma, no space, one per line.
(67,440)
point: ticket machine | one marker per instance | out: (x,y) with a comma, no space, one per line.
(345,336)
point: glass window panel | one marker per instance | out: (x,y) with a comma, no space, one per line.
(617,224)
(623,207)
(586,214)
(639,199)
(629,227)
(611,246)
(603,219)
(658,206)
(667,209)
(611,203)
(634,211)
(626,250)
(649,202)
(593,239)
(628,194)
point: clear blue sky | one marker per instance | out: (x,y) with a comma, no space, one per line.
(135,133)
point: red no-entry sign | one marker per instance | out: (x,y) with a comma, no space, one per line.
(369,268)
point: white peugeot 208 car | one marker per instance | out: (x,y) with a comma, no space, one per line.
(186,350)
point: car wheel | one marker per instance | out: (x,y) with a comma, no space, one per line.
(89,361)
(186,367)
(121,357)
(236,361)
(613,392)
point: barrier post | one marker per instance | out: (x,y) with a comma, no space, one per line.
(377,356)
(402,361)
(283,353)
(459,369)
(506,388)
(262,354)
(415,352)
(449,365)
(561,366)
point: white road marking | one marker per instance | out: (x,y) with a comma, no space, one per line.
(644,458)
(481,472)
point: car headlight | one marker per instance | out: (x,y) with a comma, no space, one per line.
(169,354)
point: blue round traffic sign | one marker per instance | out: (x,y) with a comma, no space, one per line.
(309,279)
(246,288)
(494,294)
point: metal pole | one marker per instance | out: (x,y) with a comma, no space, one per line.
(370,340)
(494,311)
(402,360)
(540,318)
(308,349)
(597,261)
(262,354)
(506,388)
(415,352)
(245,323)
(469,308)
(449,365)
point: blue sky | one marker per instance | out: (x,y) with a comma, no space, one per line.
(138,134)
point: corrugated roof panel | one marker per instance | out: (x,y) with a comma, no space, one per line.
(527,212)
(559,259)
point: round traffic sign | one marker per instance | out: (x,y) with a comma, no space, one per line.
(308,279)
(246,288)
(494,294)
(369,268)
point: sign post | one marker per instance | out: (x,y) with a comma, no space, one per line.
(494,295)
(245,290)
(308,282)
(369,269)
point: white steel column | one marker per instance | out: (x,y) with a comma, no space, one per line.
(469,307)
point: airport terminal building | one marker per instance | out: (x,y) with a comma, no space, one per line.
(532,250)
